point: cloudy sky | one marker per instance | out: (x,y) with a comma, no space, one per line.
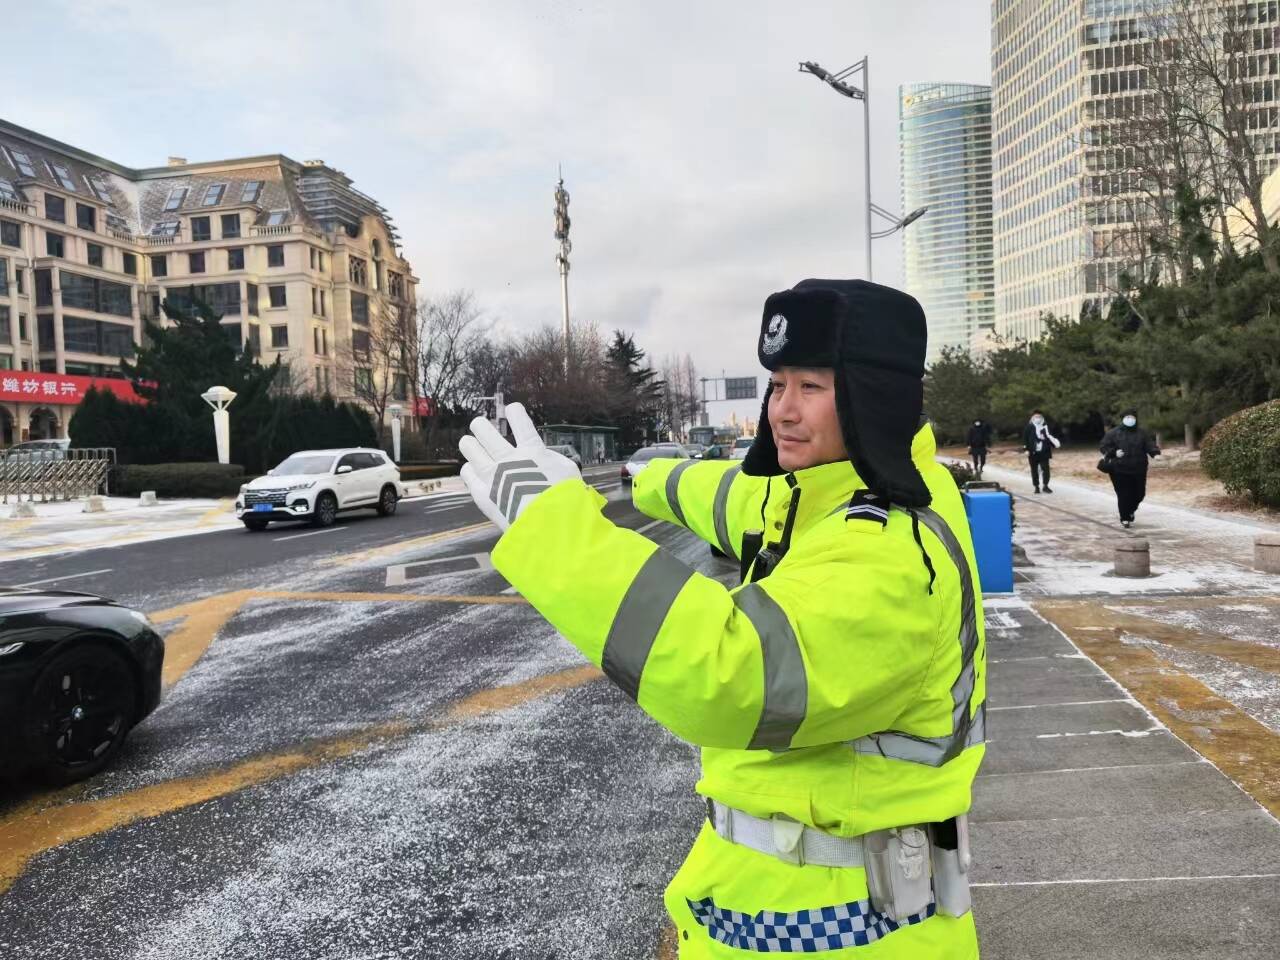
(705,172)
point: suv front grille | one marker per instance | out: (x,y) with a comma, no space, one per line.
(274,497)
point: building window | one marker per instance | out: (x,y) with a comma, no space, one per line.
(319,380)
(55,208)
(44,330)
(129,264)
(86,217)
(196,262)
(359,308)
(358,271)
(9,192)
(4,277)
(61,174)
(251,294)
(235,258)
(213,196)
(200,229)
(275,255)
(54,245)
(165,228)
(6,359)
(279,338)
(400,387)
(95,254)
(10,234)
(363,380)
(321,342)
(360,343)
(255,339)
(98,188)
(395,284)
(251,191)
(277,296)
(23,333)
(159,265)
(18,275)
(312,251)
(176,196)
(276,217)
(21,162)
(44,288)
(324,307)
(100,296)
(230,226)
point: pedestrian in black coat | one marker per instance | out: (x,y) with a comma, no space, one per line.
(1126,451)
(1039,443)
(979,439)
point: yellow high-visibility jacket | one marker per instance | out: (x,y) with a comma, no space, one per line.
(845,690)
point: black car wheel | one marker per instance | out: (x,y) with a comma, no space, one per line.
(79,711)
(255,525)
(387,502)
(326,510)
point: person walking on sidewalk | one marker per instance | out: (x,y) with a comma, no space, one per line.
(1040,444)
(1127,451)
(979,439)
(835,797)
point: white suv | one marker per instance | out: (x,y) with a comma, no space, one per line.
(316,485)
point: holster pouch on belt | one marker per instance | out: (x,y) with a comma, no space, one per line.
(752,541)
(898,871)
(949,849)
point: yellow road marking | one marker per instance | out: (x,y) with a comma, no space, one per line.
(1244,749)
(28,832)
(391,549)
(223,509)
(391,597)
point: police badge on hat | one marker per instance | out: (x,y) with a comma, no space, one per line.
(775,336)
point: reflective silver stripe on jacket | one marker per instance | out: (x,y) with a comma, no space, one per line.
(966,731)
(786,686)
(720,511)
(640,616)
(673,488)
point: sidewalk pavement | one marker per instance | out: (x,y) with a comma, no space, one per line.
(1127,806)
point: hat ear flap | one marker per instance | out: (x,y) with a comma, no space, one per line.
(762,457)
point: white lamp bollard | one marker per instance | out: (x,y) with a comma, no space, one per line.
(395,410)
(220,398)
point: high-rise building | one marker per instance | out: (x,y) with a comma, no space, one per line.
(945,149)
(299,264)
(1065,191)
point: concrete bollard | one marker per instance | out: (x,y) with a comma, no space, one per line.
(1266,552)
(95,504)
(23,509)
(1133,558)
(148,499)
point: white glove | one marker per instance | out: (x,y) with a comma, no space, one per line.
(503,479)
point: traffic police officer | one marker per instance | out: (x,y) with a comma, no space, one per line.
(838,692)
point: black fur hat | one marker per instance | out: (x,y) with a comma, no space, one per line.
(874,338)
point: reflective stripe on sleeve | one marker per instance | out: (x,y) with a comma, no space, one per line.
(786,686)
(673,489)
(640,617)
(967,731)
(720,511)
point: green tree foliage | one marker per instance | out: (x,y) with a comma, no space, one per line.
(634,391)
(1243,451)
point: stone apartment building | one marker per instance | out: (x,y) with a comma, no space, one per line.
(299,263)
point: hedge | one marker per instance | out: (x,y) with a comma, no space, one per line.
(1243,451)
(961,473)
(179,479)
(427,471)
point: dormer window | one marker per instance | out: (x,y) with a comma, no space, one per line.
(276,217)
(21,162)
(62,175)
(252,190)
(176,197)
(165,228)
(213,196)
(9,192)
(98,188)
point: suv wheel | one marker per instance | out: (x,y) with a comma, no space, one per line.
(387,501)
(326,510)
(254,524)
(79,711)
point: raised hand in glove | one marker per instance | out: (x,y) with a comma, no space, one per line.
(503,479)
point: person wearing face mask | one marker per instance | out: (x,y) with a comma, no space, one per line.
(1039,443)
(979,440)
(1127,450)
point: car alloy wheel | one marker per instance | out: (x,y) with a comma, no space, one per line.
(79,712)
(256,526)
(387,502)
(326,510)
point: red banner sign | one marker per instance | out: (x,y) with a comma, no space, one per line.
(58,389)
(426,407)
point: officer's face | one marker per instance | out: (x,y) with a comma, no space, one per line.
(802,415)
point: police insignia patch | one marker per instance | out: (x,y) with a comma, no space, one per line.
(865,505)
(775,336)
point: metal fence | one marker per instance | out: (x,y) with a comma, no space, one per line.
(55,475)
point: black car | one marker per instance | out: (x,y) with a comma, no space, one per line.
(77,672)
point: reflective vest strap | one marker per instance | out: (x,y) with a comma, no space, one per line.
(673,489)
(786,686)
(639,618)
(966,731)
(720,511)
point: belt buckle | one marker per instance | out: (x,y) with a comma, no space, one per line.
(788,839)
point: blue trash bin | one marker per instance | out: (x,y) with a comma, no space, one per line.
(990,515)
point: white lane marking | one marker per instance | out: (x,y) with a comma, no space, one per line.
(313,533)
(1118,766)
(432,511)
(1074,703)
(1100,733)
(398,574)
(69,576)
(649,526)
(1051,883)
(1056,656)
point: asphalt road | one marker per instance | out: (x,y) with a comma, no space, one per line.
(367,750)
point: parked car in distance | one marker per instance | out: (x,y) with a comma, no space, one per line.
(27,450)
(77,673)
(714,452)
(640,459)
(317,485)
(567,450)
(696,450)
(740,448)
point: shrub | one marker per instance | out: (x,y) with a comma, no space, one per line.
(961,473)
(178,479)
(1243,451)
(428,471)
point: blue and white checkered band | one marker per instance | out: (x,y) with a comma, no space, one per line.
(853,924)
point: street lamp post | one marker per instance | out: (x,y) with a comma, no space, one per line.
(395,410)
(220,398)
